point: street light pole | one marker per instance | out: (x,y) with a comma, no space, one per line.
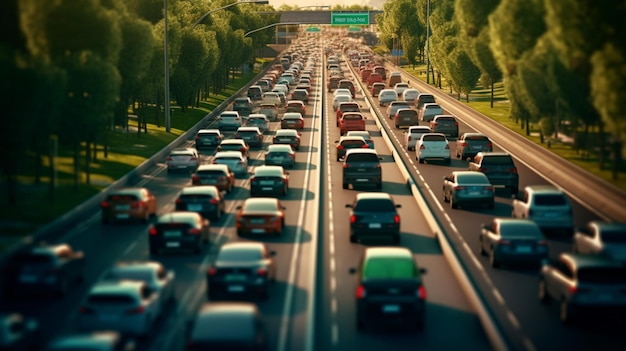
(428,42)
(259,2)
(166,103)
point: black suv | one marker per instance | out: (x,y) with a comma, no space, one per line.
(362,167)
(499,168)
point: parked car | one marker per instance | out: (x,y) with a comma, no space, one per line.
(386,96)
(280,155)
(235,160)
(375,88)
(269,180)
(470,143)
(405,117)
(179,230)
(432,146)
(583,284)
(351,121)
(445,124)
(374,216)
(234,145)
(213,174)
(207,200)
(208,138)
(513,241)
(601,237)
(257,120)
(394,106)
(95,341)
(462,188)
(259,216)
(547,205)
(229,120)
(184,159)
(292,120)
(241,268)
(429,111)
(364,134)
(413,134)
(125,306)
(19,333)
(287,136)
(228,326)
(361,167)
(389,289)
(251,135)
(499,168)
(125,204)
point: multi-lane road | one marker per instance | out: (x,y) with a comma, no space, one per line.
(312,305)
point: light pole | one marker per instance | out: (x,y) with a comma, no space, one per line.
(165,50)
(428,42)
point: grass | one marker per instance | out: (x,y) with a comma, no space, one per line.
(479,100)
(38,205)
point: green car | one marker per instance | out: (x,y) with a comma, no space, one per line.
(389,289)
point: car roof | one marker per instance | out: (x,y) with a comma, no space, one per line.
(212,131)
(213,166)
(361,133)
(268,170)
(200,190)
(225,321)
(229,114)
(351,137)
(586,260)
(431,104)
(388,252)
(361,151)
(116,287)
(178,216)
(290,132)
(243,245)
(256,116)
(444,117)
(373,196)
(248,129)
(228,154)
(279,147)
(543,189)
(424,128)
(294,115)
(232,141)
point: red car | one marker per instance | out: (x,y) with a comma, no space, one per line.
(292,120)
(295,106)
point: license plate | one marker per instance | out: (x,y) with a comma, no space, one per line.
(375,226)
(473,193)
(194,207)
(361,180)
(267,182)
(172,244)
(122,207)
(284,140)
(551,214)
(235,277)
(391,308)
(266,188)
(209,181)
(258,231)
(257,221)
(171,233)
(235,288)
(122,216)
(108,318)
(524,248)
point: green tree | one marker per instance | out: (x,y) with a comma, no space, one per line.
(462,71)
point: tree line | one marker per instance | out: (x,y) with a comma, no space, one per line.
(72,68)
(563,62)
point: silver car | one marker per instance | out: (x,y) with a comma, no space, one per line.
(128,307)
(258,120)
(432,146)
(429,111)
(468,187)
(386,96)
(229,120)
(600,237)
(183,160)
(235,160)
(547,205)
(153,273)
(414,134)
(509,240)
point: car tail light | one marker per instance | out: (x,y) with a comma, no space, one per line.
(490,145)
(422,147)
(194,231)
(490,188)
(433,124)
(360,292)
(138,204)
(195,178)
(136,310)
(504,242)
(410,138)
(352,219)
(576,290)
(169,158)
(457,188)
(345,165)
(365,146)
(212,271)
(396,219)
(456,124)
(379,166)
(252,179)
(213,201)
(152,231)
(193,158)
(104,204)
(483,169)
(197,137)
(179,201)
(512,170)
(421,292)
(339,147)
(85,310)
(261,271)
(463,144)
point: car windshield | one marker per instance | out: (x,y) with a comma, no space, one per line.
(362,158)
(375,205)
(260,206)
(550,200)
(518,229)
(497,160)
(388,268)
(239,255)
(433,138)
(614,236)
(472,179)
(602,275)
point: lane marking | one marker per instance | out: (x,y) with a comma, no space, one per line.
(335,334)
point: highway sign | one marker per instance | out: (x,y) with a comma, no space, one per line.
(349,18)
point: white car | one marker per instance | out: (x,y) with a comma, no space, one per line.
(410,95)
(152,273)
(339,99)
(186,159)
(547,205)
(229,120)
(282,88)
(412,135)
(432,146)
(400,88)
(386,96)
(235,160)
(126,306)
(429,111)
(342,91)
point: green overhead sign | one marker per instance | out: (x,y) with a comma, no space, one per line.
(313,29)
(349,19)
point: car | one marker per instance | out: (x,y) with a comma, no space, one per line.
(269,179)
(462,188)
(583,284)
(295,106)
(260,215)
(300,95)
(351,121)
(179,230)
(126,204)
(389,289)
(158,279)
(432,146)
(413,134)
(19,333)
(283,88)
(339,99)
(292,120)
(601,237)
(342,91)
(270,111)
(471,143)
(280,155)
(364,134)
(265,84)
(234,145)
(386,96)
(235,160)
(207,200)
(512,241)
(272,98)
(351,106)
(258,120)
(346,143)
(394,78)
(347,84)
(240,268)
(287,136)
(405,117)
(375,88)
(213,174)
(251,135)
(394,106)
(183,159)
(374,78)
(243,105)
(410,95)
(499,168)
(365,73)
(429,111)
(43,269)
(208,138)
(229,120)
(400,88)
(424,98)
(445,124)
(255,92)
(374,216)
(129,307)
(547,205)
(95,341)
(382,71)
(228,326)
(333,83)
(361,167)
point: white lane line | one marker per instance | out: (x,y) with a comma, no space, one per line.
(332,265)
(335,334)
(130,248)
(333,306)
(333,284)
(529,345)
(497,295)
(512,318)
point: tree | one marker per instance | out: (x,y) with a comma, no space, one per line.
(462,71)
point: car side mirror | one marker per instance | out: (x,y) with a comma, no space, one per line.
(238,207)
(283,207)
(272,253)
(446,178)
(422,270)
(352,271)
(398,205)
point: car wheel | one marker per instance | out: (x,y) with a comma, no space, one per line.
(345,185)
(566,313)
(492,259)
(353,238)
(453,204)
(491,205)
(360,325)
(445,198)
(543,292)
(480,244)
(420,160)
